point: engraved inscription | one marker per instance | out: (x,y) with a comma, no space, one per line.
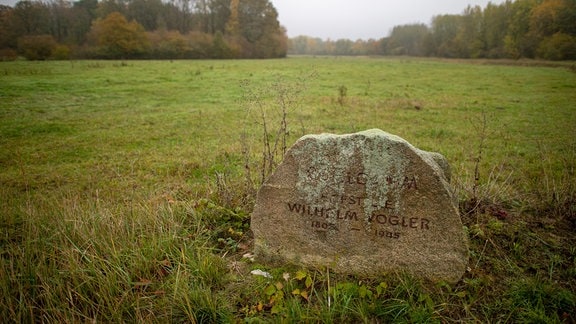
(322,212)
(362,179)
(351,216)
(321,226)
(336,207)
(386,234)
(394,220)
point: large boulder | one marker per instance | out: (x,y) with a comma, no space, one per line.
(366,203)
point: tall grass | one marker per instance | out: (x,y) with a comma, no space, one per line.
(78,258)
(124,198)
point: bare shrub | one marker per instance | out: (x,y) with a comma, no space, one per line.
(268,107)
(482,192)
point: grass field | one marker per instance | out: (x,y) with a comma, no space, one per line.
(124,195)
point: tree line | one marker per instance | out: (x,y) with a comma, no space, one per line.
(544,29)
(155,29)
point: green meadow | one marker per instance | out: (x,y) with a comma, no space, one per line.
(126,187)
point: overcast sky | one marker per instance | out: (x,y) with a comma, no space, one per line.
(354,19)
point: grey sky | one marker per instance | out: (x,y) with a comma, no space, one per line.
(354,19)
(8,2)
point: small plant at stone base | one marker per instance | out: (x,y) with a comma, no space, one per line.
(275,294)
(314,295)
(228,225)
(302,277)
(362,295)
(407,301)
(279,295)
(232,242)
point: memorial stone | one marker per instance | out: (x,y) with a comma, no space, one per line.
(367,203)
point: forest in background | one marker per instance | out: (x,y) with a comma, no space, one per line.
(543,29)
(195,29)
(146,29)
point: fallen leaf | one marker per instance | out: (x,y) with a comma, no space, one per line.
(300,274)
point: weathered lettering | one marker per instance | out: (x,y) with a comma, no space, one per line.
(395,220)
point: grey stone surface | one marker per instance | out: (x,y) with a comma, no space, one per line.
(365,203)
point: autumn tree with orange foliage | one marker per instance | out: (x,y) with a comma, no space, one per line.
(117,38)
